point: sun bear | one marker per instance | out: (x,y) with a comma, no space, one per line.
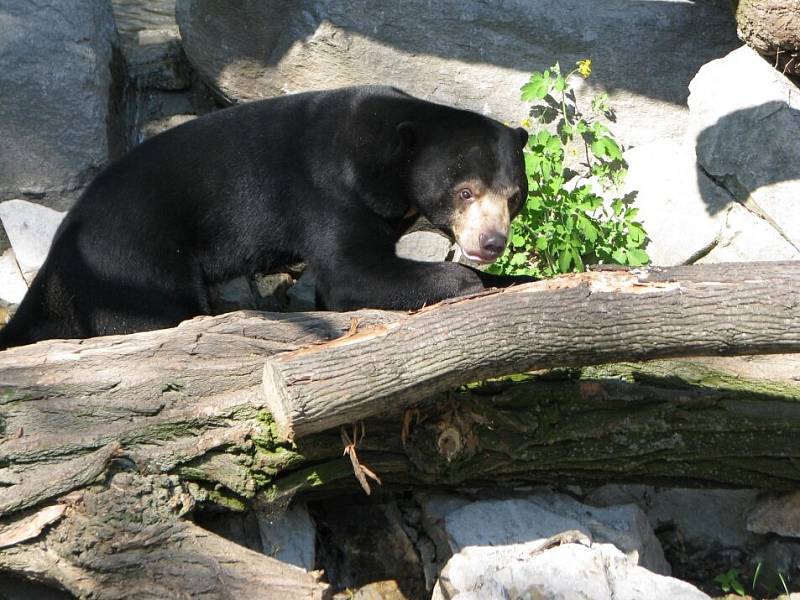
(329,178)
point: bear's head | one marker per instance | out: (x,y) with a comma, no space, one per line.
(467,177)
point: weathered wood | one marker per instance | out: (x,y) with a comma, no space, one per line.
(127,540)
(670,423)
(581,319)
(165,397)
(189,403)
(772,27)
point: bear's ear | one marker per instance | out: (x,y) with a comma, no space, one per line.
(407,130)
(522,134)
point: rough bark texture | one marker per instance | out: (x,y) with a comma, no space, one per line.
(173,400)
(672,423)
(126,539)
(772,27)
(165,397)
(590,318)
(108,443)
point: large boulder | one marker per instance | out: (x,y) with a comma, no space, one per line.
(541,515)
(727,190)
(55,96)
(574,570)
(466,53)
(745,119)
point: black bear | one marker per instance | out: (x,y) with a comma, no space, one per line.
(330,178)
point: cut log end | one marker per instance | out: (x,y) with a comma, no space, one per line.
(278,400)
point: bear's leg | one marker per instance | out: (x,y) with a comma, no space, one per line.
(389,282)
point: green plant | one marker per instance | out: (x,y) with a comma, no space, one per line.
(729,582)
(770,585)
(564,223)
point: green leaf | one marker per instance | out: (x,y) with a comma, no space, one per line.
(617,207)
(541,243)
(564,262)
(619,255)
(518,258)
(553,144)
(577,260)
(560,84)
(517,240)
(605,147)
(637,257)
(537,88)
(588,230)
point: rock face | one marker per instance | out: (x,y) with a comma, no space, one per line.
(55,82)
(30,228)
(470,54)
(728,189)
(748,136)
(289,537)
(510,547)
(12,284)
(574,570)
(776,514)
(545,514)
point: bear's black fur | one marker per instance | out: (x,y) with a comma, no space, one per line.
(330,178)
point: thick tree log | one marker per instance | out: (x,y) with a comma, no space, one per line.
(670,423)
(771,27)
(164,401)
(186,408)
(165,397)
(584,319)
(126,540)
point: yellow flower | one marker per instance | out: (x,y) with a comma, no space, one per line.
(526,123)
(585,67)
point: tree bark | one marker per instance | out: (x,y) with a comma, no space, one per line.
(772,27)
(126,539)
(108,443)
(584,319)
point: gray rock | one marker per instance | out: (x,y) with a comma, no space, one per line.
(30,228)
(271,291)
(156,126)
(703,518)
(151,44)
(235,294)
(55,82)
(681,209)
(776,514)
(427,246)
(12,284)
(302,295)
(477,58)
(570,571)
(545,514)
(289,537)
(748,135)
(745,237)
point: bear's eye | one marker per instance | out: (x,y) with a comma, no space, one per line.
(465,194)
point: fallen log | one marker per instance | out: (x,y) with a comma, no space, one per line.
(772,28)
(667,423)
(180,416)
(584,319)
(125,538)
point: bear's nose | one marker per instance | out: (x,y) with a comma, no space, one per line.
(492,244)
